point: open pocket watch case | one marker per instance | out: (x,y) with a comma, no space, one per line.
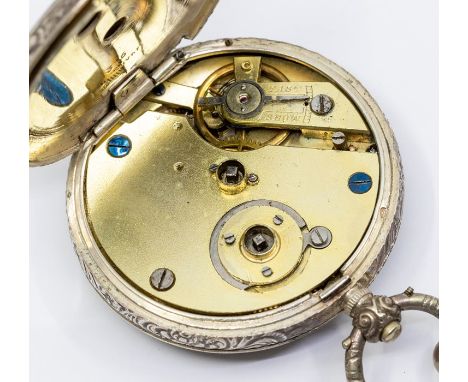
(230,196)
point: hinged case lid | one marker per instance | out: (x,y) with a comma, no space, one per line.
(82,50)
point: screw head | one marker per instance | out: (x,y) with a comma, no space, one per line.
(252,179)
(162,279)
(320,237)
(372,148)
(278,220)
(119,146)
(338,138)
(391,331)
(229,238)
(179,55)
(409,291)
(159,90)
(360,183)
(321,104)
(213,167)
(267,271)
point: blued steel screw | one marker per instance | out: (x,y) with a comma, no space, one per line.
(360,183)
(119,146)
(162,279)
(159,90)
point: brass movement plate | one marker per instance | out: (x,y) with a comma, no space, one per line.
(158,206)
(160,227)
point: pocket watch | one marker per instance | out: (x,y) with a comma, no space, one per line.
(229,196)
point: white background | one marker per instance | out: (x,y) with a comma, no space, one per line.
(391,47)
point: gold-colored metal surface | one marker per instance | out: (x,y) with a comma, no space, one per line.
(213,258)
(284,256)
(247,68)
(298,115)
(158,206)
(131,200)
(73,77)
(146,215)
(216,80)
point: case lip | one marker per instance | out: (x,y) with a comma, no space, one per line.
(169,20)
(275,327)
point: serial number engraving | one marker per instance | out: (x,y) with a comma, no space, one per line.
(284,117)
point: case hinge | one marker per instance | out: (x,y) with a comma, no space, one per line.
(135,87)
(132,90)
(126,96)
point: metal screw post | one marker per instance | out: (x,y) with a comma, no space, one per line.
(339,141)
